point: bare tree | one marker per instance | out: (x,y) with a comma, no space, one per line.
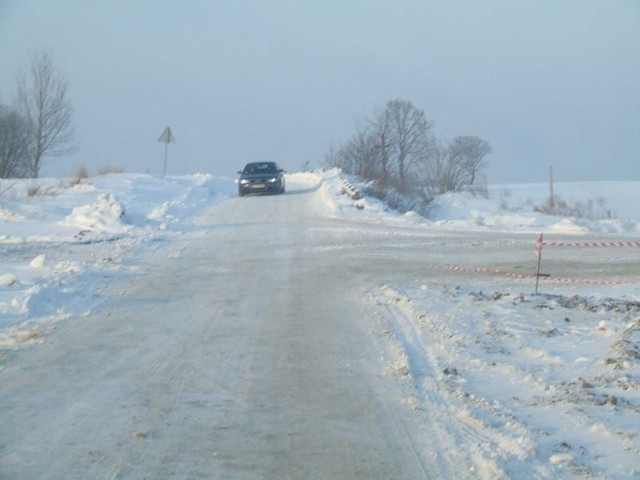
(406,129)
(360,155)
(379,131)
(43,99)
(444,173)
(363,155)
(471,151)
(331,158)
(14,141)
(388,147)
(457,166)
(398,154)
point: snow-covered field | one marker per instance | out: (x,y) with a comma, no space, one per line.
(534,386)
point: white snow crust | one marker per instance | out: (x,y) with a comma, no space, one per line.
(531,385)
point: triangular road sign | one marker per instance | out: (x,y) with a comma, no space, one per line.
(167,136)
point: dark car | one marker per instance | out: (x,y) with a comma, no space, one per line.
(261,177)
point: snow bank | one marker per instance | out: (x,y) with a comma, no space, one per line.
(8,280)
(57,236)
(104,215)
(506,211)
(510,208)
(542,383)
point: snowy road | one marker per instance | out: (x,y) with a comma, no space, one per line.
(244,352)
(275,337)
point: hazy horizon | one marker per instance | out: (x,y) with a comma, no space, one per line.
(544,82)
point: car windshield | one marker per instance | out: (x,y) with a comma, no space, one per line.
(261,168)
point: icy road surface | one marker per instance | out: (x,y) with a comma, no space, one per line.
(244,353)
(297,336)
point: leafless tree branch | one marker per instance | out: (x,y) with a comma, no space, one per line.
(43,99)
(14,141)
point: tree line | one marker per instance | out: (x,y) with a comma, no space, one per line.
(396,152)
(38,123)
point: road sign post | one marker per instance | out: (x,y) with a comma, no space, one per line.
(166,138)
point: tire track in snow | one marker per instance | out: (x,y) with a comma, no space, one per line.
(463,438)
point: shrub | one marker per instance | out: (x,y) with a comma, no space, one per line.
(109,169)
(592,209)
(82,174)
(416,200)
(34,190)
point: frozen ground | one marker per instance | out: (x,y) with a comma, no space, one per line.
(307,335)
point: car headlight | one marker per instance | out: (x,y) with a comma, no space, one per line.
(244,181)
(272,180)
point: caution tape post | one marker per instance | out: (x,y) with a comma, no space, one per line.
(538,251)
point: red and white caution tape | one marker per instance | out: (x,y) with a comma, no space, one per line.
(495,271)
(457,268)
(591,244)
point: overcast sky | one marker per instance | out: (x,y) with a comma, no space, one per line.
(545,82)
